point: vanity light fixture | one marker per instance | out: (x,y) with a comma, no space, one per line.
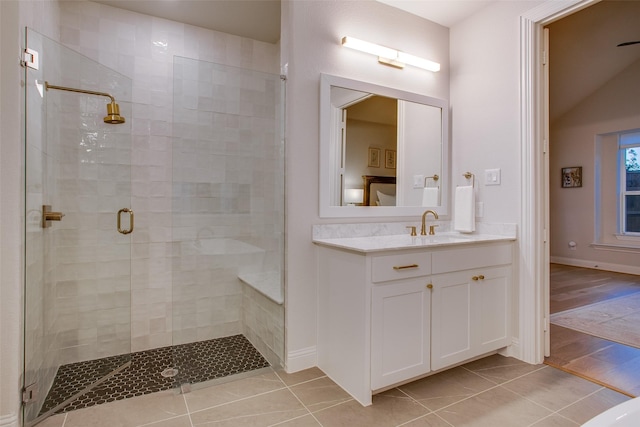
(389,56)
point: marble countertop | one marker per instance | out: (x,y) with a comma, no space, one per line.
(405,241)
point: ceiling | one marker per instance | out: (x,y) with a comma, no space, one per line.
(260,19)
(254,19)
(443,12)
(584,54)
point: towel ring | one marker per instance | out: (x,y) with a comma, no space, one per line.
(434,177)
(470,176)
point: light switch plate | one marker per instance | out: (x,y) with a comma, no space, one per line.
(418,181)
(492,177)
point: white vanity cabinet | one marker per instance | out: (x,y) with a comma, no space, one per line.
(389,316)
(400,318)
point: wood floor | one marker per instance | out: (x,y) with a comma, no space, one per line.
(611,364)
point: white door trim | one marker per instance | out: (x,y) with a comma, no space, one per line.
(533,257)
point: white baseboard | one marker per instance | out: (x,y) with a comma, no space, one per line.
(9,420)
(299,360)
(514,350)
(618,268)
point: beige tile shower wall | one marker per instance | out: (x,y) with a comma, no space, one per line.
(142,48)
(263,324)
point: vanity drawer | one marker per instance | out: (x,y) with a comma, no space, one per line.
(468,258)
(402,266)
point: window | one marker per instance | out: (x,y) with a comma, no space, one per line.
(629,183)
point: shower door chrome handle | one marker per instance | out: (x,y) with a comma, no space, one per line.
(130,212)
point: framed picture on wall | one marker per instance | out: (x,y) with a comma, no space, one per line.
(374,157)
(390,159)
(572,177)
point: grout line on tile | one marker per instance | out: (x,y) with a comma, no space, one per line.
(477,372)
(554,412)
(551,415)
(301,382)
(237,400)
(188,411)
(301,402)
(162,421)
(292,419)
(283,386)
(581,399)
(426,415)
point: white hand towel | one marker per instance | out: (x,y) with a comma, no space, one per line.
(464,218)
(430,196)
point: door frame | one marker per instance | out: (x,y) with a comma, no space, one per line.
(533,272)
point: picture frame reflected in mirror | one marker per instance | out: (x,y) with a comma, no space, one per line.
(374,157)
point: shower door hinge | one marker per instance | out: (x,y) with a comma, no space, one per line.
(30,59)
(29,393)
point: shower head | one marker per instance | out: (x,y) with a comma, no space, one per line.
(113,114)
(113,109)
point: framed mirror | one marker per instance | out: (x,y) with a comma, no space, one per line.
(383,151)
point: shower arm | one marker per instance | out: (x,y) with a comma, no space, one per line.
(71,89)
(113,109)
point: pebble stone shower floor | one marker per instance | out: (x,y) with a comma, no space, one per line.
(195,363)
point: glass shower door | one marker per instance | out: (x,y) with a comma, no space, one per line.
(77,264)
(227,221)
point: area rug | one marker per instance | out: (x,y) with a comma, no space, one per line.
(617,319)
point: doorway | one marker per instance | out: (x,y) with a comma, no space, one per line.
(575,115)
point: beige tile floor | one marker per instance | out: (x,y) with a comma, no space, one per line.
(492,392)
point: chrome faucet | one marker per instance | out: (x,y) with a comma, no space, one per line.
(423,231)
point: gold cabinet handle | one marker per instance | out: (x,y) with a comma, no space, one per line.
(429,286)
(478,277)
(481,277)
(404,267)
(130,212)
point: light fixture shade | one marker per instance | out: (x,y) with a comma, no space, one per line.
(353,195)
(418,62)
(367,47)
(390,56)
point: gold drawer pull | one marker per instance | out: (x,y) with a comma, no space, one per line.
(429,286)
(480,277)
(404,267)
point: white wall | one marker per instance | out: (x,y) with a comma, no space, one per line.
(614,107)
(486,104)
(312,31)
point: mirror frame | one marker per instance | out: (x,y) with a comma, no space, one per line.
(327,154)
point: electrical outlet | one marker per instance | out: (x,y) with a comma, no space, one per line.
(418,181)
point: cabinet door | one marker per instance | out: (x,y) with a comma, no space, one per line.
(400,331)
(470,314)
(491,300)
(451,300)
